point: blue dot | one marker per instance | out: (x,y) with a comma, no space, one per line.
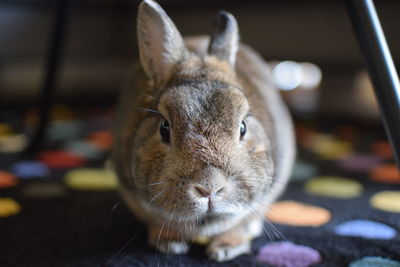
(83,149)
(365,229)
(303,171)
(65,130)
(30,169)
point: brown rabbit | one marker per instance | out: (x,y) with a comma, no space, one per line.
(204,143)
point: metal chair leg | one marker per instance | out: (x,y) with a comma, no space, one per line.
(380,66)
(51,74)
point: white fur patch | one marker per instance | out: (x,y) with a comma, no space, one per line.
(255,228)
(173,247)
(221,254)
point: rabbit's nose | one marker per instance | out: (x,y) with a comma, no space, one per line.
(203,192)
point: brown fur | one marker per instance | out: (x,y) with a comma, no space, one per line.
(204,99)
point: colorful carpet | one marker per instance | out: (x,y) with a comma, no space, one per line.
(61,208)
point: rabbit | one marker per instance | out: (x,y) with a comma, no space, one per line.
(203,141)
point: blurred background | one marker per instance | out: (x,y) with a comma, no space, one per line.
(61,204)
(100,47)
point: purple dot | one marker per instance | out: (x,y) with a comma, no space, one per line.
(287,254)
(360,162)
(30,169)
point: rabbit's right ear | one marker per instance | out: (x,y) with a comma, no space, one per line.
(161,46)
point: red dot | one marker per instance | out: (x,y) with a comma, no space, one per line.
(61,159)
(383,149)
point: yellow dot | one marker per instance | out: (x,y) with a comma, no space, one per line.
(8,207)
(337,187)
(387,201)
(91,179)
(298,214)
(12,143)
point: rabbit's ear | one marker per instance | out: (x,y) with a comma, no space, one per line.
(161,46)
(225,39)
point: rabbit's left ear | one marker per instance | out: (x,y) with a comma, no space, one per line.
(225,39)
(161,46)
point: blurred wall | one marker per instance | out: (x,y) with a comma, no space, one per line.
(101,40)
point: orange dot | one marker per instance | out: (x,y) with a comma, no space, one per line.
(7,179)
(102,139)
(383,149)
(388,173)
(298,214)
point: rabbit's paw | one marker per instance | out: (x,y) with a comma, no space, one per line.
(225,252)
(173,247)
(166,241)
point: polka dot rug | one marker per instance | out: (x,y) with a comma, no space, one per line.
(62,207)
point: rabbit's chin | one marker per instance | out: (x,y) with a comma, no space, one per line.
(204,211)
(205,223)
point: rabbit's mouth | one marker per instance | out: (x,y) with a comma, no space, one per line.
(205,209)
(212,210)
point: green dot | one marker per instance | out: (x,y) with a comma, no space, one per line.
(336,187)
(303,171)
(91,179)
(374,262)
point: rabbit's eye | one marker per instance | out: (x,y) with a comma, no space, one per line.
(164,131)
(243,129)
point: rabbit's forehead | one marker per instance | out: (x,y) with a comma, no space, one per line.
(209,100)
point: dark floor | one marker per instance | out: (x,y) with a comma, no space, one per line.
(72,227)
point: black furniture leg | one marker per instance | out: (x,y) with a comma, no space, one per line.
(62,8)
(380,66)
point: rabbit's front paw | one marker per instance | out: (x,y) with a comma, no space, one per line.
(166,241)
(173,247)
(226,252)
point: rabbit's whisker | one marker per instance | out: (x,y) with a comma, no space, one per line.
(158,241)
(275,230)
(151,96)
(125,246)
(156,196)
(115,206)
(168,227)
(266,231)
(272,226)
(271,231)
(148,110)
(156,183)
